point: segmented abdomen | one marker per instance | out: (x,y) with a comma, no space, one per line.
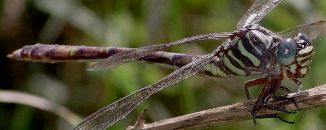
(57,53)
(62,53)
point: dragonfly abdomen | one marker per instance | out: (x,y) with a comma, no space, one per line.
(60,53)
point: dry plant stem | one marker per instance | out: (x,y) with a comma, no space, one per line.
(9,96)
(311,98)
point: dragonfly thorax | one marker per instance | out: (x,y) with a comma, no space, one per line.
(250,54)
(295,54)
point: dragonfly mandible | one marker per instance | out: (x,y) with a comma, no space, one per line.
(250,50)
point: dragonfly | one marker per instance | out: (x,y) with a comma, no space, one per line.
(249,50)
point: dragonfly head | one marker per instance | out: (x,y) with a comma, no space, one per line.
(295,54)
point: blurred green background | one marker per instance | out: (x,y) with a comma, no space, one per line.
(136,23)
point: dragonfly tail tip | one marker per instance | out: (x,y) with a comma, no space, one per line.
(10,56)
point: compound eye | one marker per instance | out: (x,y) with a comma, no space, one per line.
(286,51)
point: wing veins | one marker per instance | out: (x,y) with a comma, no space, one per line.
(260,8)
(137,53)
(121,108)
(312,30)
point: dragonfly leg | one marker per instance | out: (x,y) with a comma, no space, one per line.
(274,116)
(273,107)
(278,108)
(267,104)
(252,83)
(295,80)
(280,98)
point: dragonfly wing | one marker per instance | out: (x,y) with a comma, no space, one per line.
(112,113)
(256,12)
(124,57)
(137,53)
(312,30)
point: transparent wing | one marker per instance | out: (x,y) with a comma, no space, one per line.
(137,53)
(312,30)
(112,113)
(256,12)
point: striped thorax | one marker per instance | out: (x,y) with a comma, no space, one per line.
(250,54)
(258,51)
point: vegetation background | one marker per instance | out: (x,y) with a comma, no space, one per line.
(136,23)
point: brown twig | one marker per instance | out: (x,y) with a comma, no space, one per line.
(311,98)
(10,96)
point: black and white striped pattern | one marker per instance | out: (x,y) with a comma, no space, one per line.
(250,51)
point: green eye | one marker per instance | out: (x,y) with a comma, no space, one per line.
(286,51)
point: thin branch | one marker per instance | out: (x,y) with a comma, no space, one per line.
(311,98)
(9,96)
